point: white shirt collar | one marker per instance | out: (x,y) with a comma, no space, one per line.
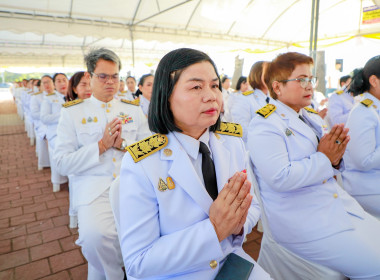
(191,145)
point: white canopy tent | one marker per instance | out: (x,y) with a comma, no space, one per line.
(59,32)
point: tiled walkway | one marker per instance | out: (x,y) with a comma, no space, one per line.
(35,240)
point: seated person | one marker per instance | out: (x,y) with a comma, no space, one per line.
(361,177)
(185,205)
(308,212)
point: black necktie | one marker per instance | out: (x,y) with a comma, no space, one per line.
(208,171)
(303,119)
(267,100)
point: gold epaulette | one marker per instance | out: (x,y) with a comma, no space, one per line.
(50,94)
(72,103)
(135,102)
(266,110)
(228,128)
(37,93)
(124,91)
(339,92)
(147,146)
(248,92)
(367,102)
(310,110)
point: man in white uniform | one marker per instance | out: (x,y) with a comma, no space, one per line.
(90,139)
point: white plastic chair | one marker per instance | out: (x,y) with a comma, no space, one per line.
(281,263)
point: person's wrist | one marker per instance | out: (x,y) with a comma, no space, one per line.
(336,165)
(102,145)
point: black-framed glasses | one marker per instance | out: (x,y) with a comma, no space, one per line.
(303,81)
(104,77)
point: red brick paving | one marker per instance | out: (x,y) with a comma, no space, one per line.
(35,240)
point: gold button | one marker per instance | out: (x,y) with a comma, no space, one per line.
(168,152)
(114,159)
(335,195)
(324,181)
(103,105)
(114,175)
(107,110)
(213,264)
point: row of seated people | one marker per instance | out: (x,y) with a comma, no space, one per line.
(39,103)
(183,202)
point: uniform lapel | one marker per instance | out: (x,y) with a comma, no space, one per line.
(184,174)
(311,118)
(221,157)
(295,124)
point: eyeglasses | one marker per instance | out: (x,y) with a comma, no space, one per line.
(104,77)
(304,82)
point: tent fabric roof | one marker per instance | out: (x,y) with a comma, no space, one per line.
(61,31)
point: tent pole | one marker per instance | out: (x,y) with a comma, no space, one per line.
(316,29)
(133,47)
(311,28)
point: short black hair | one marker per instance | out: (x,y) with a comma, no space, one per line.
(131,78)
(56,74)
(170,68)
(241,80)
(224,79)
(344,79)
(141,83)
(47,76)
(360,81)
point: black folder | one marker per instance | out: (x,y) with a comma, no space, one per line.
(235,268)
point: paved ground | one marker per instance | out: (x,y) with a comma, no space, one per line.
(35,240)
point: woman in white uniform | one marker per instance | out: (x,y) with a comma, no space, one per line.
(308,212)
(177,222)
(50,112)
(145,91)
(361,177)
(79,87)
(244,106)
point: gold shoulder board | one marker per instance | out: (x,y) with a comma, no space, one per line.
(339,92)
(124,91)
(228,128)
(147,146)
(266,110)
(72,103)
(247,92)
(135,102)
(37,93)
(310,110)
(50,94)
(367,102)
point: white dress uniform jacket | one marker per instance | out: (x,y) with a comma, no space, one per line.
(124,95)
(144,104)
(308,212)
(35,109)
(77,154)
(362,157)
(302,200)
(243,108)
(339,106)
(50,112)
(167,234)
